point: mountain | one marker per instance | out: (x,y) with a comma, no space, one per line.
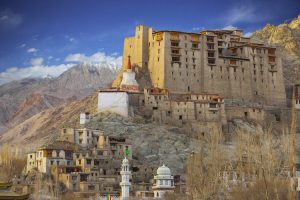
(286,36)
(19,100)
(39,128)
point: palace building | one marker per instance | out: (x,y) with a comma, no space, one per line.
(222,62)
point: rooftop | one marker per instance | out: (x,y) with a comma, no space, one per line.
(59,144)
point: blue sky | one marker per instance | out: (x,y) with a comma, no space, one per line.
(47,37)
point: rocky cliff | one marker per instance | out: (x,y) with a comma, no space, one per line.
(287,37)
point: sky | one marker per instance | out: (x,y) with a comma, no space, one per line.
(45,38)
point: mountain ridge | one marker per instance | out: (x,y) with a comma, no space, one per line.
(19,100)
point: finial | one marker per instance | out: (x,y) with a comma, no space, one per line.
(129,63)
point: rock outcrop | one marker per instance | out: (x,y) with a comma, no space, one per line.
(287,37)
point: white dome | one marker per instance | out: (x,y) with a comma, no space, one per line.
(125,161)
(163,170)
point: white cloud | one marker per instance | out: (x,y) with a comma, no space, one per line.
(36,61)
(198,28)
(50,57)
(248,34)
(9,19)
(38,71)
(97,58)
(71,39)
(245,14)
(230,27)
(23,45)
(32,50)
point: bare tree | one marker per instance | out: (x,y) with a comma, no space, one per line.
(258,166)
(11,165)
(204,167)
(264,164)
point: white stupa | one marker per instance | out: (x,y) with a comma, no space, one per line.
(128,80)
(163,182)
(125,183)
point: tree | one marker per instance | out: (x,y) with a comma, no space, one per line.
(258,166)
(204,167)
(11,164)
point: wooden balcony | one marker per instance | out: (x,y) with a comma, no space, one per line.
(174,36)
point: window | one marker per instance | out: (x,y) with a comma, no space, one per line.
(195,45)
(211,61)
(210,46)
(175,58)
(210,39)
(91,187)
(175,44)
(175,51)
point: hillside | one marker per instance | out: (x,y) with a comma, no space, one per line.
(152,142)
(19,100)
(287,37)
(45,125)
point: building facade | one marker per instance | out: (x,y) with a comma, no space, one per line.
(219,62)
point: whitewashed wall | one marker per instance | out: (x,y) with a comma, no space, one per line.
(116,102)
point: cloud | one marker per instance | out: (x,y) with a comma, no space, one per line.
(71,39)
(198,28)
(244,13)
(36,61)
(9,19)
(248,34)
(36,71)
(230,27)
(32,50)
(98,58)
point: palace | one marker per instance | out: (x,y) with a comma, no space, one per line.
(222,62)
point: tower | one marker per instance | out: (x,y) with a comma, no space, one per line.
(128,81)
(125,183)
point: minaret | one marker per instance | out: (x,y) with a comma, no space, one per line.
(125,183)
